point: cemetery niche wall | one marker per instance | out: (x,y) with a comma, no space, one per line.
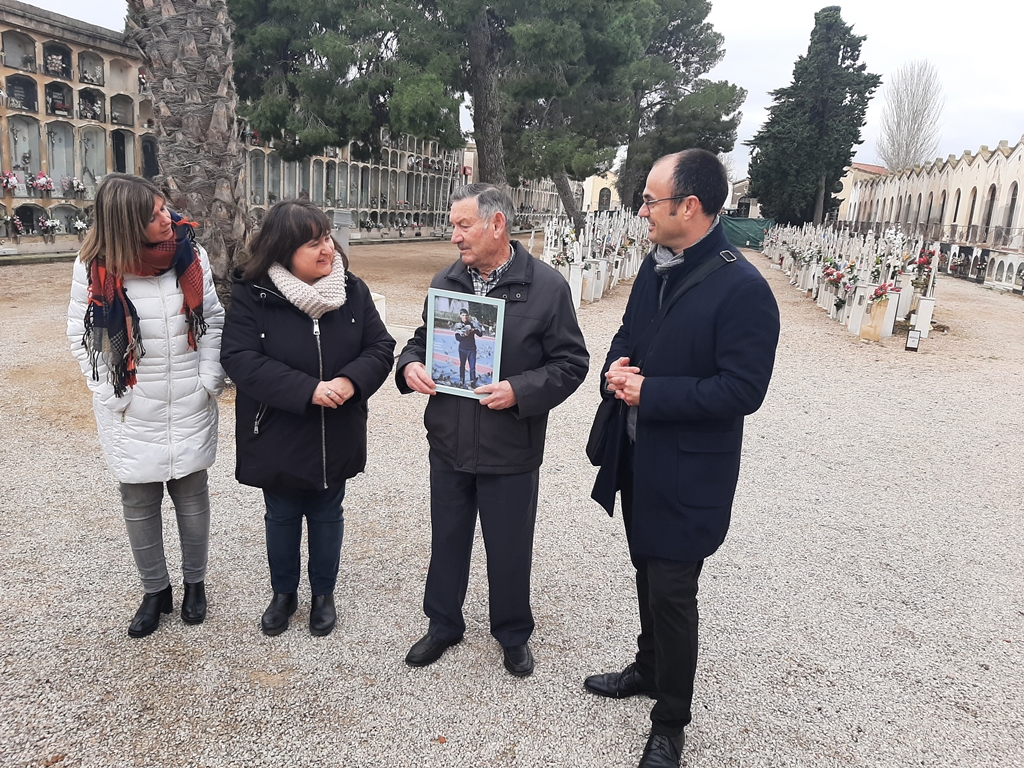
(967,208)
(76,108)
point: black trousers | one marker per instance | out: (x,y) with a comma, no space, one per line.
(667,645)
(508,512)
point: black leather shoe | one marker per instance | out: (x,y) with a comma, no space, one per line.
(193,605)
(428,649)
(518,660)
(662,751)
(322,616)
(275,618)
(621,685)
(147,618)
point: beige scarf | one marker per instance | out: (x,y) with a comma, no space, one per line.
(316,300)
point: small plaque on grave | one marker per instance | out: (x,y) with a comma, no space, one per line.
(913,340)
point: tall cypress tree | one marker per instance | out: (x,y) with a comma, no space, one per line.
(802,151)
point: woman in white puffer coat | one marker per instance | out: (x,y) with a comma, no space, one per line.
(145,325)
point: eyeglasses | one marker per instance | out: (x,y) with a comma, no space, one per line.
(651,203)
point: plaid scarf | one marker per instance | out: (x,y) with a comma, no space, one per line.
(111,321)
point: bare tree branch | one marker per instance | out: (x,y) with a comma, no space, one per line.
(912,116)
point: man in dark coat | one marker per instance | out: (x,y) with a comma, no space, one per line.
(673,447)
(485,454)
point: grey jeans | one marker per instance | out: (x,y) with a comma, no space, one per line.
(141,502)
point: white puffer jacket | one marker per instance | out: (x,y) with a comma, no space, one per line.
(165,427)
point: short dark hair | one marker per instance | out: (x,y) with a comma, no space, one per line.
(287,226)
(489,201)
(699,173)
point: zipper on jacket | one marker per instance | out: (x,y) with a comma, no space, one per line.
(170,376)
(323,417)
(260,412)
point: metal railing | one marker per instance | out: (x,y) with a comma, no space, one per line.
(1006,238)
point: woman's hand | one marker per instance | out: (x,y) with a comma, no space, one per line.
(331,394)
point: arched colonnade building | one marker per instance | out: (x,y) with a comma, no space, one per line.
(967,208)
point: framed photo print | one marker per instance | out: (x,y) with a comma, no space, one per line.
(463,341)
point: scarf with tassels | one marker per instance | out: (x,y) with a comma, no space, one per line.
(111,322)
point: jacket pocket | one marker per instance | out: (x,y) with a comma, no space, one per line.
(708,466)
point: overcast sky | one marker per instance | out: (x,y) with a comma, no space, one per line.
(977,57)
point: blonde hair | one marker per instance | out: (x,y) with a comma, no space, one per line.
(121,213)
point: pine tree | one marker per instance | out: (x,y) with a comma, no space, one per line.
(801,152)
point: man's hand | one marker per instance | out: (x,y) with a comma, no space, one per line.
(499,396)
(418,379)
(625,381)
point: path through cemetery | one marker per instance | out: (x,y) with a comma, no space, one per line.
(867,608)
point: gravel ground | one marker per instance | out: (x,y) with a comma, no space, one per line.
(866,609)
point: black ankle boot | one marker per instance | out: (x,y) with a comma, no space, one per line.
(193,605)
(147,618)
(322,616)
(281,608)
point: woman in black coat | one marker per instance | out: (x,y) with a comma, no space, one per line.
(306,348)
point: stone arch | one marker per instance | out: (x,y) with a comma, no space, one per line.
(257,176)
(1011,206)
(973,204)
(91,104)
(121,75)
(317,192)
(56,60)
(29,214)
(999,271)
(59,99)
(956,208)
(65,214)
(93,142)
(60,143)
(19,50)
(150,158)
(122,110)
(90,68)
(24,146)
(22,93)
(122,151)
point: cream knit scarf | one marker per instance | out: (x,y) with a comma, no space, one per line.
(323,296)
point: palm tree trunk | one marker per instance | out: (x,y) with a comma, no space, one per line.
(188,53)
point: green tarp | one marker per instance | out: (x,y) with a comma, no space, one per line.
(746,233)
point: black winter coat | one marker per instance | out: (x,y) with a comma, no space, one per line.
(277,354)
(708,366)
(543,357)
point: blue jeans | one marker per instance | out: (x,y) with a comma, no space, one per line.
(325,526)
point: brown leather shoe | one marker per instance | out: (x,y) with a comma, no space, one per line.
(621,685)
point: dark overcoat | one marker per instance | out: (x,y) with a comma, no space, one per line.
(276,355)
(543,357)
(708,366)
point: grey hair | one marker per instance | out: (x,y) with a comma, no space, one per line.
(489,201)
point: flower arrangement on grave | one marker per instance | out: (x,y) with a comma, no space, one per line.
(54,64)
(40,182)
(923,263)
(881,292)
(9,180)
(13,222)
(79,224)
(48,226)
(833,275)
(72,184)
